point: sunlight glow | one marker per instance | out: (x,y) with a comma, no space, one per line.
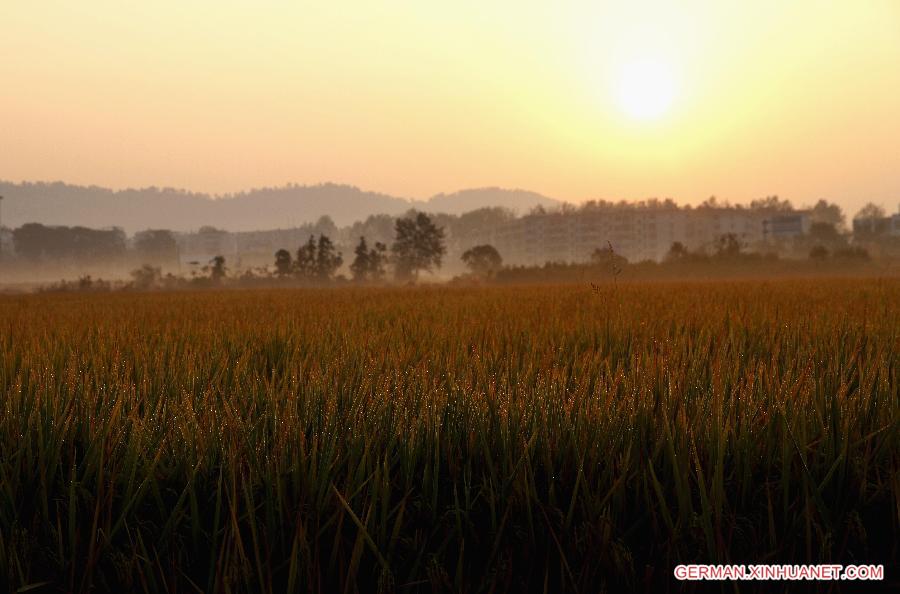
(645,88)
(577,99)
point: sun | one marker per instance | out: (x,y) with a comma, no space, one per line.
(645,88)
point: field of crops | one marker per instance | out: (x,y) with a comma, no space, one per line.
(511,439)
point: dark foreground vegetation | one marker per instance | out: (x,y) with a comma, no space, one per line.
(551,439)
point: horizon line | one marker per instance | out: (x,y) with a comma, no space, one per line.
(725,202)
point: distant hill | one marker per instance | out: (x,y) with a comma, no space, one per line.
(469,200)
(268,208)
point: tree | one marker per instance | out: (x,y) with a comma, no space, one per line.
(368,265)
(375,227)
(377,261)
(868,221)
(325,226)
(34,241)
(156,245)
(483,260)
(825,233)
(677,252)
(418,245)
(826,213)
(870,211)
(361,262)
(146,277)
(217,268)
(305,264)
(477,222)
(283,263)
(771,203)
(711,202)
(317,260)
(727,246)
(30,240)
(328,259)
(91,245)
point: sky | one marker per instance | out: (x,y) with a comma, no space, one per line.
(577,100)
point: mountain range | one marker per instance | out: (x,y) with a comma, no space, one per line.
(58,203)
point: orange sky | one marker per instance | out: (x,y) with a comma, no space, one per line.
(796,98)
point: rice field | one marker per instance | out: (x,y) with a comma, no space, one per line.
(510,439)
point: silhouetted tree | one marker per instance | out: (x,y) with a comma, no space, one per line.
(374,227)
(867,222)
(418,245)
(824,212)
(34,241)
(824,232)
(870,211)
(317,260)
(216,268)
(146,277)
(826,235)
(483,260)
(377,261)
(305,264)
(712,202)
(283,263)
(727,246)
(368,265)
(771,203)
(31,240)
(156,245)
(328,259)
(677,252)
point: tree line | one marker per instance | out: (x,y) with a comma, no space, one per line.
(35,242)
(418,247)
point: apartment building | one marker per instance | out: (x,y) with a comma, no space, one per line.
(638,232)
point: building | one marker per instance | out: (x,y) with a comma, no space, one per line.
(786,226)
(637,232)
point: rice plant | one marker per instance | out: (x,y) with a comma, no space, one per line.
(546,439)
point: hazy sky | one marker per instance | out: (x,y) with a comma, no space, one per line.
(574,99)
